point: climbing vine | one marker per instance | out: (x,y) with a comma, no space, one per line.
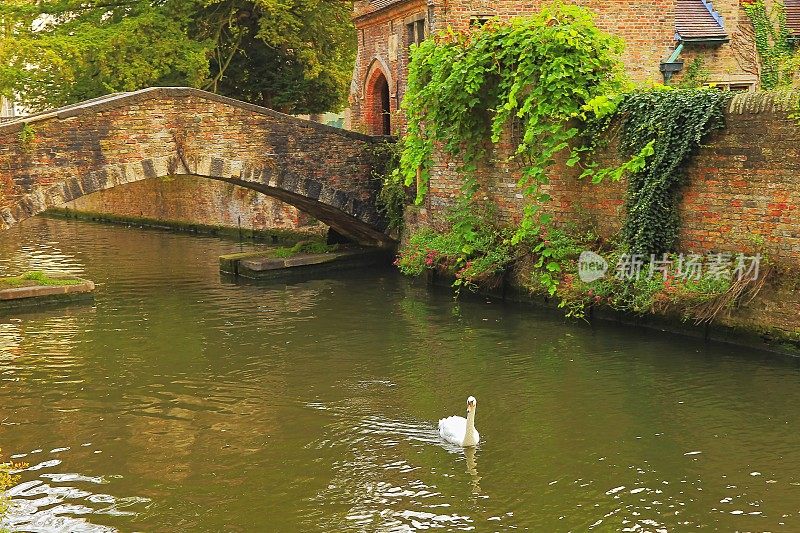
(544,75)
(544,72)
(392,197)
(697,74)
(475,248)
(26,136)
(673,123)
(778,61)
(550,84)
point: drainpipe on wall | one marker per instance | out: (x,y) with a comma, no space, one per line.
(672,65)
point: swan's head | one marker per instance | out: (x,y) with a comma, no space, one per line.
(471,403)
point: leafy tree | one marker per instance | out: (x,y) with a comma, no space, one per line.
(292,55)
(63,51)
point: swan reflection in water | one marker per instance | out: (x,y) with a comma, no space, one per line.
(472,469)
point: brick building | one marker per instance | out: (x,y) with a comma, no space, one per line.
(663,37)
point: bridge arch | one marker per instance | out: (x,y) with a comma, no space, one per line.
(155,133)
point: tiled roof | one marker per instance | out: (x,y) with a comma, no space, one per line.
(793,16)
(380,4)
(365,8)
(696,19)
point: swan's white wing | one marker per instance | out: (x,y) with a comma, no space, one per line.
(453,428)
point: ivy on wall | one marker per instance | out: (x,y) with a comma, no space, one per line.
(778,61)
(674,123)
(546,73)
(26,137)
(697,75)
(557,80)
(392,197)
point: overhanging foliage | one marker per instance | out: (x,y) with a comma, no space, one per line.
(292,55)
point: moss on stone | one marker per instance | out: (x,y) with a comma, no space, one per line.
(307,247)
(36,278)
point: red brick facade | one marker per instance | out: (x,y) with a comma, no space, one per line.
(743,196)
(648,28)
(383,43)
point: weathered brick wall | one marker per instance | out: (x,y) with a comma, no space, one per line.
(191,200)
(743,186)
(742,196)
(94,146)
(734,62)
(648,28)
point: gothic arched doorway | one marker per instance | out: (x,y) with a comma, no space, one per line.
(379,105)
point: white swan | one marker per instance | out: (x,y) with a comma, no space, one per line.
(459,430)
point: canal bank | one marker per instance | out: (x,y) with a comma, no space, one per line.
(736,329)
(736,203)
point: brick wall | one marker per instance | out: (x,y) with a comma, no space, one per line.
(648,28)
(742,196)
(734,62)
(743,186)
(383,45)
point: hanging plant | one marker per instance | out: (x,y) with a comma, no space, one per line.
(545,74)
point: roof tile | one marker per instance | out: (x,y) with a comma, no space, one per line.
(380,4)
(792,16)
(693,20)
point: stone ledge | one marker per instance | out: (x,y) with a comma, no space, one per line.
(21,299)
(764,102)
(260,266)
(774,341)
(42,291)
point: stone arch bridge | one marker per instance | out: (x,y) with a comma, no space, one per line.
(57,156)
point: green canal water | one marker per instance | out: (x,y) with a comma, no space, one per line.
(180,401)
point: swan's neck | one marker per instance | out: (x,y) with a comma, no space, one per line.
(469,438)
